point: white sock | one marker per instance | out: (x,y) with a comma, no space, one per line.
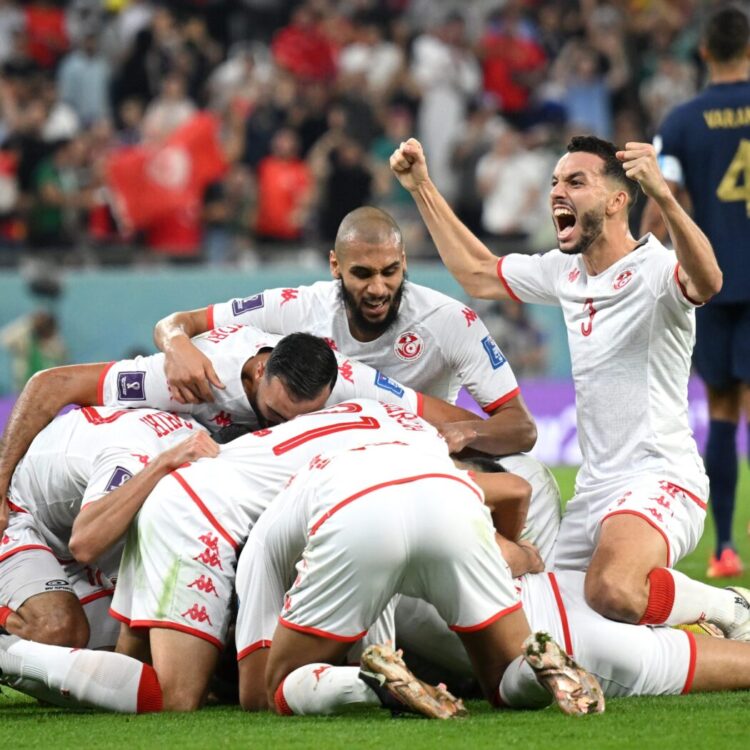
(317,689)
(95,679)
(695,601)
(519,687)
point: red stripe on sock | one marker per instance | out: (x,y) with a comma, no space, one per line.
(5,613)
(660,597)
(282,707)
(149,698)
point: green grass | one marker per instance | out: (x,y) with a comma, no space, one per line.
(677,722)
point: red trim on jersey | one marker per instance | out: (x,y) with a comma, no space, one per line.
(691,666)
(210,317)
(117,616)
(162,624)
(15,508)
(502,400)
(487,622)
(683,289)
(149,699)
(97,595)
(392,483)
(504,281)
(420,404)
(563,614)
(100,383)
(253,647)
(206,512)
(321,633)
(93,416)
(282,707)
(649,522)
(24,549)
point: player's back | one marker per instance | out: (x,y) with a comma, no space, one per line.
(243,480)
(89,451)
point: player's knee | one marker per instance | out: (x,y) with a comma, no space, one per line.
(62,626)
(180,699)
(613,596)
(254,698)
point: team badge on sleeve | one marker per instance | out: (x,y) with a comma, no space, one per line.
(240,306)
(409,346)
(497,358)
(118,478)
(130,386)
(384,382)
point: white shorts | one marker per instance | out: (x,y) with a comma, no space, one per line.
(675,512)
(28,568)
(628,660)
(178,567)
(432,538)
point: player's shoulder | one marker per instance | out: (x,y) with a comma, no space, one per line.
(423,303)
(652,257)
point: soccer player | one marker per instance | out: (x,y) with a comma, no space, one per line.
(72,498)
(369,311)
(628,305)
(703,149)
(361,526)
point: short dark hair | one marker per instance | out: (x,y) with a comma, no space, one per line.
(726,34)
(304,363)
(607,152)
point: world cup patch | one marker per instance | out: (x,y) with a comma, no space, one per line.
(384,382)
(496,357)
(118,478)
(240,306)
(409,346)
(131,387)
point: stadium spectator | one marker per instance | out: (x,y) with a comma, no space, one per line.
(301,47)
(169,110)
(703,154)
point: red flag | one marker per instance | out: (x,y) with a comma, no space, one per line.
(148,182)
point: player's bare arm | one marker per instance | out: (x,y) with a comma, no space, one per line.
(522,557)
(40,401)
(189,372)
(699,271)
(508,497)
(465,256)
(651,220)
(100,524)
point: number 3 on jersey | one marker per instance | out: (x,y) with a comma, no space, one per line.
(588,325)
(735,184)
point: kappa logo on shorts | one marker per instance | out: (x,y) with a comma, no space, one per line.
(623,279)
(384,382)
(130,386)
(240,306)
(119,476)
(496,357)
(409,346)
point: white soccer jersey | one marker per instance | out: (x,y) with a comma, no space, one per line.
(142,381)
(631,331)
(213,503)
(83,455)
(435,346)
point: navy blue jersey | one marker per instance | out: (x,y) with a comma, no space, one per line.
(704,144)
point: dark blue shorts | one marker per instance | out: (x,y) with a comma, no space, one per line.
(722,346)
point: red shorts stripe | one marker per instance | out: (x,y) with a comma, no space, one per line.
(563,614)
(321,633)
(504,281)
(502,400)
(700,503)
(100,384)
(117,616)
(487,622)
(691,667)
(392,483)
(206,512)
(25,548)
(96,595)
(252,648)
(649,522)
(163,624)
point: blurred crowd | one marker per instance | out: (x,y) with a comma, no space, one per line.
(310,98)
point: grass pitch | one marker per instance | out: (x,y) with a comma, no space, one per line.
(716,720)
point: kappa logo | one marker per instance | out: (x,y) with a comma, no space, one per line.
(119,476)
(623,279)
(496,357)
(288,294)
(384,382)
(346,371)
(573,275)
(409,346)
(131,386)
(331,343)
(470,316)
(240,306)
